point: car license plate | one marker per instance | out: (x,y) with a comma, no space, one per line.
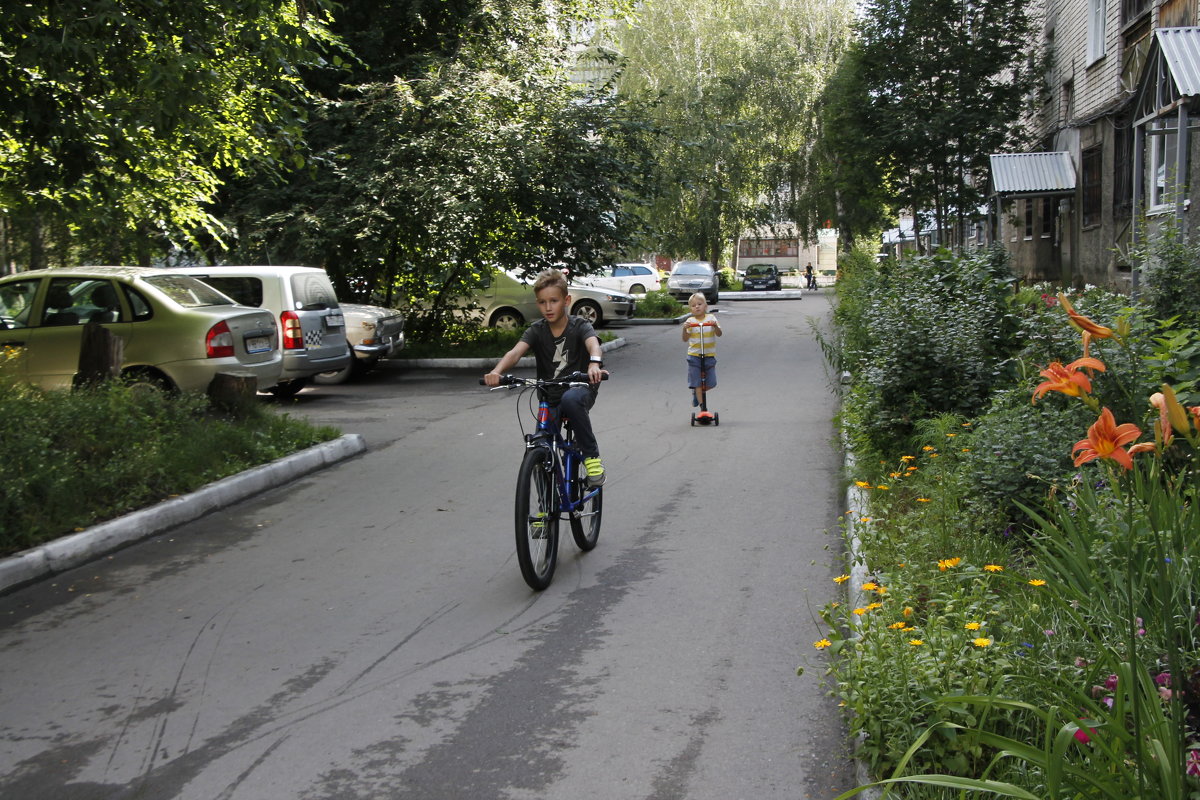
(335,321)
(258,344)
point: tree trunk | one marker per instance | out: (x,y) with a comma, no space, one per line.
(100,356)
(233,393)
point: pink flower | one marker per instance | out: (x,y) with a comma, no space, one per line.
(1193,763)
(1111,683)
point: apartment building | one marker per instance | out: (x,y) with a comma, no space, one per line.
(1114,154)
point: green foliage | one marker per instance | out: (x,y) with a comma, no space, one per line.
(659,305)
(72,459)
(1171,273)
(923,337)
(119,124)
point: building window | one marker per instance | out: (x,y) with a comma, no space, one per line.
(1161,167)
(1067,102)
(1097,14)
(1131,10)
(1049,209)
(1122,169)
(1028,217)
(1091,186)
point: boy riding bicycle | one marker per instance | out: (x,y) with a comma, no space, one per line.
(562,344)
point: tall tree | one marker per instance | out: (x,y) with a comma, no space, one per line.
(944,81)
(737,85)
(118,117)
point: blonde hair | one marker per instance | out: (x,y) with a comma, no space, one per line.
(551,277)
(697,294)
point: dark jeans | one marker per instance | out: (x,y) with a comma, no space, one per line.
(574,407)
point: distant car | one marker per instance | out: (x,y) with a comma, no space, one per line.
(689,277)
(373,333)
(507,301)
(630,278)
(178,332)
(762,277)
(303,301)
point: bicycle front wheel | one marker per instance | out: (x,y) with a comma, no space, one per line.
(585,520)
(537,518)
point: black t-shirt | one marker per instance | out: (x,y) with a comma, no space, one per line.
(562,355)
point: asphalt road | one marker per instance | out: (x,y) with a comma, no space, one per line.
(365,632)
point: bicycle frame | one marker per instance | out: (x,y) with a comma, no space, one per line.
(565,458)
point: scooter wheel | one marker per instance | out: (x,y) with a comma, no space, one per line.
(716,418)
(693,420)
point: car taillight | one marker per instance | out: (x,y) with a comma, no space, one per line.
(218,343)
(293,334)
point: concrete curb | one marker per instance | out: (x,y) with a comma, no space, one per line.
(856,501)
(482,363)
(99,540)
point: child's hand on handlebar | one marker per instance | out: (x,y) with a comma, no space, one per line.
(595,373)
(491,379)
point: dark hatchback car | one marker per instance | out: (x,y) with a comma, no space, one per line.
(762,277)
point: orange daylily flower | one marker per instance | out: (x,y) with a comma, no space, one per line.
(1163,430)
(1083,323)
(1106,439)
(1068,380)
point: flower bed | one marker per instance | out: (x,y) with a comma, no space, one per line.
(1024,618)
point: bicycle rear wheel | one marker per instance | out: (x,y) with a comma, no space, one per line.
(585,520)
(537,518)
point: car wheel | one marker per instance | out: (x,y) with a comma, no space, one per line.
(712,300)
(336,376)
(286,389)
(637,288)
(147,382)
(506,319)
(590,311)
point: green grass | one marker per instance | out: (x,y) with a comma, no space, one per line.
(69,460)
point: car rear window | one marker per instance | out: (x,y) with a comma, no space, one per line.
(759,269)
(187,291)
(313,291)
(693,268)
(245,289)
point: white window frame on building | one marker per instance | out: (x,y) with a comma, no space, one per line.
(1097,34)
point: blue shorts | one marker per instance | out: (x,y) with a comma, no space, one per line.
(710,372)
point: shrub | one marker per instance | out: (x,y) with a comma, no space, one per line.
(659,305)
(71,459)
(1171,273)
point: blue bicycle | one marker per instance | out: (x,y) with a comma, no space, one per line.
(551,483)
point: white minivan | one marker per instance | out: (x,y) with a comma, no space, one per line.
(311,325)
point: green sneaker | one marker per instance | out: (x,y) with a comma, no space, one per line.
(538,525)
(595,471)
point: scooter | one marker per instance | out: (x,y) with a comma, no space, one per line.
(704,416)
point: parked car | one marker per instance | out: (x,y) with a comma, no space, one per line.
(373,333)
(177,332)
(629,278)
(689,277)
(762,277)
(302,299)
(507,301)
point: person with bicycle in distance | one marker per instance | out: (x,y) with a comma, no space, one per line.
(562,344)
(700,331)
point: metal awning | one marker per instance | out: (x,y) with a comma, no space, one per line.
(1032,174)
(1171,74)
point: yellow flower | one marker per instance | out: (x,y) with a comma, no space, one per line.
(821,644)
(898,625)
(907,458)
(881,488)
(966,450)
(993,568)
(908,628)
(973,626)
(908,611)
(934,455)
(951,435)
(860,611)
(864,519)
(947,563)
(870,586)
(873,606)
(894,475)
(862,484)
(981,642)
(881,590)
(841,579)
(928,448)
(916,642)
(924,500)
(1037,582)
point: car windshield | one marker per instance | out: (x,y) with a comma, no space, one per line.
(188,291)
(758,269)
(313,291)
(693,268)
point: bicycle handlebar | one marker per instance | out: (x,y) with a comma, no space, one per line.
(573,378)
